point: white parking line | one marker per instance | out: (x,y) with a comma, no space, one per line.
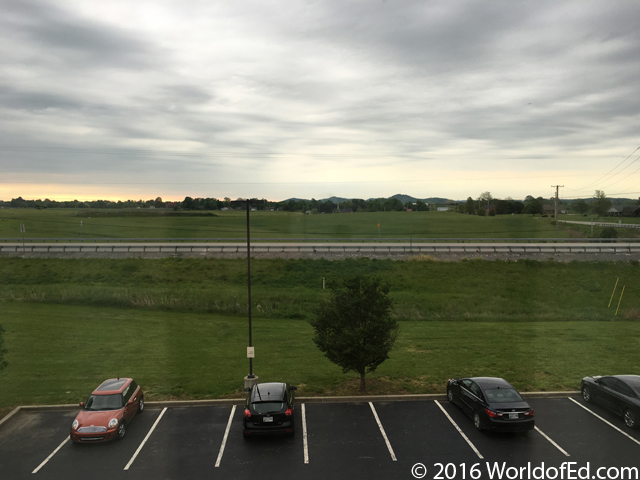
(551,441)
(605,421)
(51,456)
(386,440)
(304,434)
(459,431)
(224,439)
(145,439)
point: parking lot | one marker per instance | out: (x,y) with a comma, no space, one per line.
(344,440)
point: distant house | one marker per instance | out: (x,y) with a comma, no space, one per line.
(224,209)
(549,209)
(442,209)
(624,211)
(488,208)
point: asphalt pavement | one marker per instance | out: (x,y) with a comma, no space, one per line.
(362,440)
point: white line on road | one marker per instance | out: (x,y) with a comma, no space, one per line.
(304,434)
(459,430)
(224,439)
(52,454)
(551,441)
(145,439)
(605,421)
(386,440)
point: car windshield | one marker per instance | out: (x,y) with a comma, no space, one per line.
(104,402)
(503,395)
(267,407)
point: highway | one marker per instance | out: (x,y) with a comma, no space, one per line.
(315,247)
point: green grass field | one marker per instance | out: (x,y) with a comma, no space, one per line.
(171,324)
(65,223)
(60,353)
(469,290)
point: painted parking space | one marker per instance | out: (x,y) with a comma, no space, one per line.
(100,460)
(517,448)
(26,442)
(584,436)
(187,438)
(343,441)
(346,441)
(420,432)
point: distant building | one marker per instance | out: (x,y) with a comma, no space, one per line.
(624,211)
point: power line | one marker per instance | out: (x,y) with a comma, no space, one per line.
(593,183)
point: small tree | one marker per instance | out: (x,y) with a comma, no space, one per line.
(355,329)
(580,206)
(600,203)
(608,232)
(471,206)
(3,363)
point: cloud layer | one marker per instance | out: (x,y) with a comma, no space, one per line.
(312,99)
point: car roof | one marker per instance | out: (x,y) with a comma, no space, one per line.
(630,379)
(112,385)
(264,392)
(491,382)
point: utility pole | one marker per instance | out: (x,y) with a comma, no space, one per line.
(557,187)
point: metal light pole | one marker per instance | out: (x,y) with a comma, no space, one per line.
(250,379)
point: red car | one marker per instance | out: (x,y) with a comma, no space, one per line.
(108,410)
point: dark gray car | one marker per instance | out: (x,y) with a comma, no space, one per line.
(618,393)
(492,403)
(270,409)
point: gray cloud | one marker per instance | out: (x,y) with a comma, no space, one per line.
(372,87)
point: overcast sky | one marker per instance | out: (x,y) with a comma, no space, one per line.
(279,99)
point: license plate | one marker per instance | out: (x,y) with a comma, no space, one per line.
(513,416)
(267,419)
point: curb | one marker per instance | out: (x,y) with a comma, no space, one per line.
(240,401)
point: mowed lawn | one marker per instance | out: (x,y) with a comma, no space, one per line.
(79,223)
(59,353)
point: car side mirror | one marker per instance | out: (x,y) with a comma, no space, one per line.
(81,404)
(247,389)
(294,388)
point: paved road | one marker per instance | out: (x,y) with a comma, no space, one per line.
(344,441)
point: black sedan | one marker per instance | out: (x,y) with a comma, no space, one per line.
(492,403)
(618,393)
(269,409)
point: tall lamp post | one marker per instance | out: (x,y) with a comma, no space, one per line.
(250,379)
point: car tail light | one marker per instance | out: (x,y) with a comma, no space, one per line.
(289,412)
(247,413)
(529,413)
(492,414)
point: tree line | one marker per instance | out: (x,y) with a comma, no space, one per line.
(485,204)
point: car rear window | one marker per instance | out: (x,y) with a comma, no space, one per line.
(267,407)
(503,395)
(104,402)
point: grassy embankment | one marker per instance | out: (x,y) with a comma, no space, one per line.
(171,324)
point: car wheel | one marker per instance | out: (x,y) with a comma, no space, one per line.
(122,429)
(586,394)
(476,422)
(449,395)
(630,419)
(141,405)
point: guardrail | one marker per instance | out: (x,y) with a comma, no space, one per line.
(320,240)
(291,248)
